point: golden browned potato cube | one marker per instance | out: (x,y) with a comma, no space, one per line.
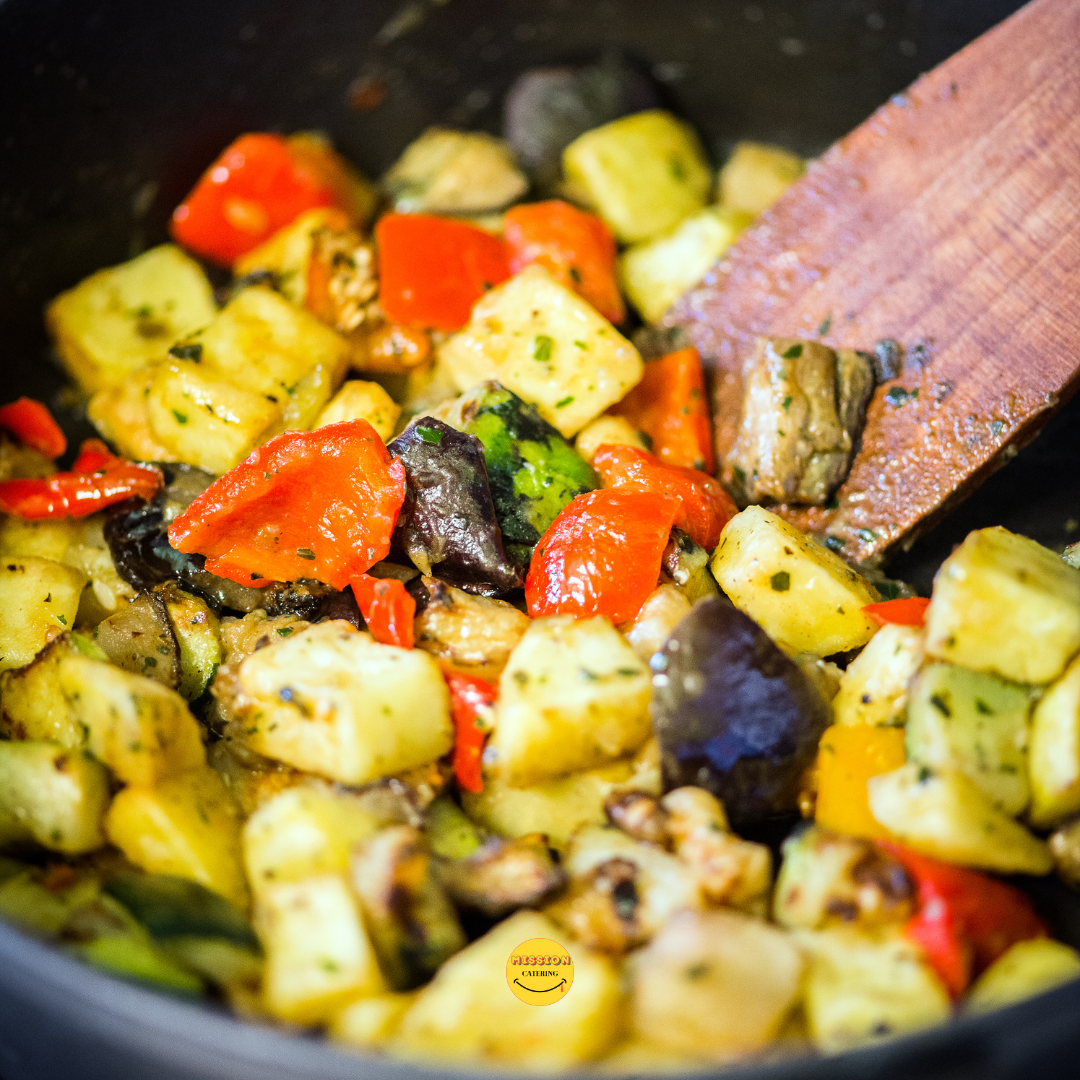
(807,599)
(642,173)
(756,175)
(1026,969)
(121,415)
(48,538)
(34,706)
(121,318)
(360,400)
(573,696)
(1054,758)
(369,1022)
(548,346)
(39,599)
(874,686)
(187,826)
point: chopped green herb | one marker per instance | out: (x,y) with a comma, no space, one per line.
(740,475)
(62,620)
(786,403)
(982,707)
(305,553)
(924,774)
(430,435)
(996,427)
(826,325)
(832,503)
(897,396)
(780,581)
(181,418)
(542,348)
(581,344)
(565,401)
(941,705)
(793,353)
(867,536)
(678,170)
(575,275)
(834,543)
(284,631)
(187,352)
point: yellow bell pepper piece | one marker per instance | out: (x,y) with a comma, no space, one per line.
(847,758)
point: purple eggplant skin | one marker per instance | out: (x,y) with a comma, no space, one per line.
(733,714)
(447,524)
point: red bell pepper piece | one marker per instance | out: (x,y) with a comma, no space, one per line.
(100,479)
(33,425)
(907,611)
(308,504)
(469,696)
(601,555)
(965,920)
(706,506)
(432,270)
(260,184)
(669,406)
(576,247)
(388,609)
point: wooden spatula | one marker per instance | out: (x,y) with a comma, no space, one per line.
(950,222)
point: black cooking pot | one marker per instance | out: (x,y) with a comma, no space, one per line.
(107,115)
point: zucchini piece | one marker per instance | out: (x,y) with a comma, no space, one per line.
(198,638)
(108,592)
(32,702)
(412,924)
(974,722)
(687,564)
(945,815)
(121,318)
(503,876)
(142,730)
(574,695)
(25,899)
(187,826)
(533,472)
(874,687)
(643,173)
(380,710)
(756,175)
(1054,759)
(862,988)
(318,954)
(807,599)
(139,638)
(655,273)
(449,832)
(1005,604)
(39,599)
(547,344)
(1026,969)
(57,796)
(465,1014)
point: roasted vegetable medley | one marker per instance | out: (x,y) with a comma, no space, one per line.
(400,619)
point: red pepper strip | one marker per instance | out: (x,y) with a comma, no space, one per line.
(907,611)
(577,248)
(432,270)
(601,555)
(468,696)
(308,504)
(669,406)
(33,425)
(706,506)
(965,920)
(81,492)
(259,185)
(388,609)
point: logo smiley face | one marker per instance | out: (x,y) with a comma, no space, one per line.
(540,972)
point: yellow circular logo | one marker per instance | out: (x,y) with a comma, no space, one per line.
(540,971)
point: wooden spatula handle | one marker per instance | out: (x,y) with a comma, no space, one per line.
(949,221)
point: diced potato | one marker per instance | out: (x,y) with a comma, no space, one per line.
(122,417)
(45,539)
(142,730)
(240,637)
(556,808)
(18,462)
(1054,760)
(664,609)
(468,1013)
(318,954)
(305,830)
(474,634)
(1026,969)
(57,796)
(607,431)
(943,814)
(359,400)
(90,554)
(862,988)
(455,172)
(34,706)
(547,345)
(369,1022)
(715,983)
(874,687)
(642,173)
(827,879)
(655,273)
(807,599)
(187,826)
(574,695)
(39,598)
(756,175)
(334,702)
(1006,604)
(974,722)
(119,319)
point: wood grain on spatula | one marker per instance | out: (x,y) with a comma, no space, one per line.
(949,221)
